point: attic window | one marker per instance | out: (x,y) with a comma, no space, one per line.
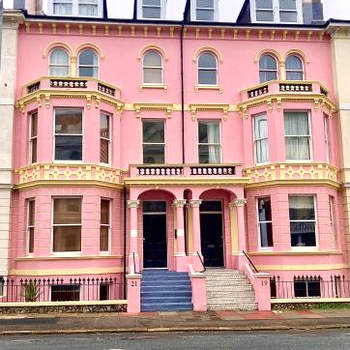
(264,10)
(76,8)
(151,9)
(205,10)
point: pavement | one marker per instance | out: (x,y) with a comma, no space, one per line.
(174,322)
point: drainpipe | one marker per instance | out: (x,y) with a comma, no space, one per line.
(182,91)
(124,262)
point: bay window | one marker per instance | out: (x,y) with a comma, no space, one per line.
(105,138)
(302,219)
(68,134)
(105,225)
(297,136)
(261,147)
(153,142)
(265,222)
(33,138)
(67,224)
(209,146)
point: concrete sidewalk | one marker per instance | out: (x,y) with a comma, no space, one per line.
(173,321)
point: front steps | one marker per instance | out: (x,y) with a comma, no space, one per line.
(163,290)
(229,290)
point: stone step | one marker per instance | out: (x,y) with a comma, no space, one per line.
(240,294)
(147,307)
(165,294)
(240,307)
(233,288)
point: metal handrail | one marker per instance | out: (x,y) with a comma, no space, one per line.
(134,262)
(202,262)
(255,270)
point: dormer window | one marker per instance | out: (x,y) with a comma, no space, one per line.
(276,11)
(151,9)
(204,10)
(76,8)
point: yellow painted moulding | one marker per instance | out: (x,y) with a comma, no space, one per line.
(270,253)
(324,267)
(54,258)
(296,182)
(310,300)
(67,272)
(68,183)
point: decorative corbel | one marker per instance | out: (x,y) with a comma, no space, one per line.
(193,113)
(279,103)
(88,101)
(47,100)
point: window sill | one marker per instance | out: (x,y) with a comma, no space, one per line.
(154,86)
(66,254)
(304,249)
(208,87)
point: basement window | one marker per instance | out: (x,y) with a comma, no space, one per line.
(65,292)
(307,287)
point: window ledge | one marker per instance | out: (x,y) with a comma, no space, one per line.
(153,86)
(208,87)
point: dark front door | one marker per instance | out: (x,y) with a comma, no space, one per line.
(154,234)
(211,234)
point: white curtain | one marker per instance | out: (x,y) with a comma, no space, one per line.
(297,134)
(214,142)
(261,139)
(152,68)
(88,8)
(59,63)
(62,7)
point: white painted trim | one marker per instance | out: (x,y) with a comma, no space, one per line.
(75,9)
(194,7)
(180,232)
(162,10)
(343,106)
(133,233)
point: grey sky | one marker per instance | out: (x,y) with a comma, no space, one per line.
(228,10)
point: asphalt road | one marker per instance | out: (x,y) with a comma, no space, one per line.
(320,340)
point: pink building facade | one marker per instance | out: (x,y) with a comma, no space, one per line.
(125,159)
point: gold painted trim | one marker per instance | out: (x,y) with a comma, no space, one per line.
(67,183)
(224,108)
(211,49)
(297,52)
(154,86)
(168,108)
(267,51)
(90,46)
(58,44)
(155,48)
(208,87)
(68,272)
(324,267)
(295,182)
(57,258)
(270,253)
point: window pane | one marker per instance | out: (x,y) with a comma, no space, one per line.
(153,131)
(205,3)
(151,12)
(266,237)
(31,213)
(34,151)
(262,151)
(68,148)
(105,212)
(31,240)
(303,234)
(211,206)
(104,151)
(88,10)
(208,132)
(152,59)
(295,76)
(288,4)
(65,293)
(300,289)
(88,72)
(151,2)
(207,60)
(205,15)
(59,71)
(68,121)
(267,76)
(290,17)
(314,288)
(153,154)
(265,16)
(209,154)
(66,238)
(104,238)
(62,9)
(59,57)
(104,126)
(267,62)
(265,4)
(298,148)
(260,127)
(264,209)
(152,76)
(67,211)
(207,77)
(301,208)
(154,207)
(294,63)
(34,125)
(296,123)
(88,58)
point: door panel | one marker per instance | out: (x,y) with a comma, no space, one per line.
(154,241)
(211,240)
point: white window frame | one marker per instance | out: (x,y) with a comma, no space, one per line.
(305,248)
(302,71)
(68,253)
(140,10)
(256,140)
(208,69)
(75,9)
(332,220)
(161,68)
(82,136)
(109,225)
(276,12)
(85,66)
(68,63)
(32,138)
(267,69)
(154,143)
(109,140)
(30,200)
(326,137)
(194,11)
(310,137)
(209,144)
(263,222)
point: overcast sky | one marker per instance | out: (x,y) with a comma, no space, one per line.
(228,10)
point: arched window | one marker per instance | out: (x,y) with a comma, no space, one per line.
(152,67)
(267,68)
(294,68)
(59,63)
(88,63)
(207,69)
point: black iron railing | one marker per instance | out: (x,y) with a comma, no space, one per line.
(310,287)
(60,289)
(253,267)
(201,261)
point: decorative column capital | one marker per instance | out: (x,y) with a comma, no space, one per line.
(240,202)
(195,203)
(179,203)
(133,204)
